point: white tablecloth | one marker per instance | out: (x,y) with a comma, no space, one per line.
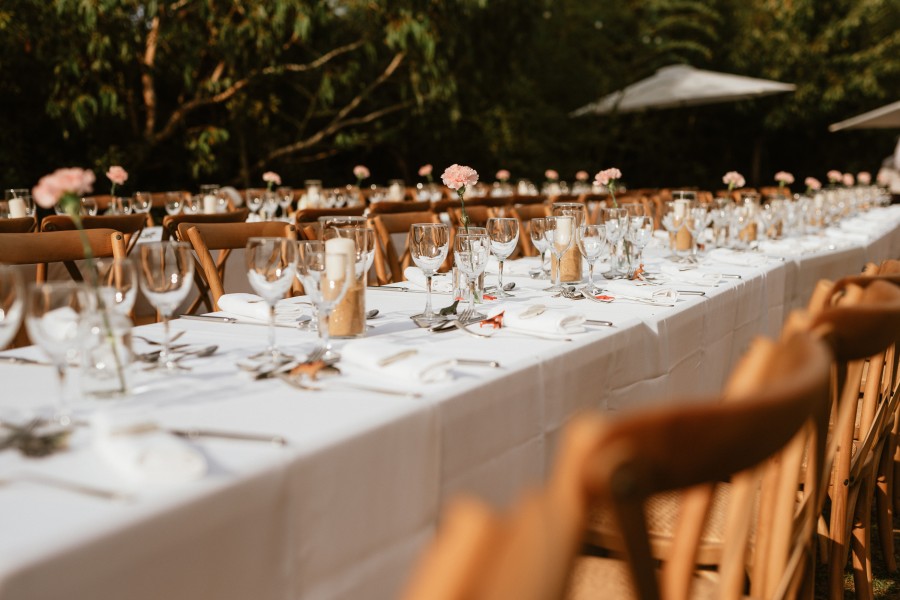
(342,511)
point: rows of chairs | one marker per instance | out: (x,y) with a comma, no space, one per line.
(738,496)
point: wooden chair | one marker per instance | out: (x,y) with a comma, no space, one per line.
(226,237)
(103,201)
(171,222)
(384,208)
(518,200)
(389,262)
(478,215)
(524,213)
(21,225)
(130,226)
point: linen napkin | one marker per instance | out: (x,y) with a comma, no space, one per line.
(654,293)
(251,306)
(731,257)
(692,276)
(143,453)
(539,318)
(440,283)
(376,354)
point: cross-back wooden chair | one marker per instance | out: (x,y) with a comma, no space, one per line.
(525,213)
(478,215)
(307,219)
(520,200)
(130,226)
(18,225)
(390,262)
(225,237)
(171,222)
(387,207)
(103,201)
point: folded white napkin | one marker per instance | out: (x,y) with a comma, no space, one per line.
(692,276)
(731,257)
(422,366)
(539,318)
(251,306)
(647,292)
(440,283)
(143,453)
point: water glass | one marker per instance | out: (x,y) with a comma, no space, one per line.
(591,239)
(429,244)
(640,232)
(615,222)
(540,243)
(504,234)
(167,271)
(173,203)
(559,232)
(471,251)
(271,268)
(326,276)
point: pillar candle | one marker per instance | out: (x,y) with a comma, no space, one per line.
(17,208)
(340,246)
(209,204)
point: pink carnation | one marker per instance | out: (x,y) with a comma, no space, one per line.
(361,172)
(551,175)
(813,183)
(425,170)
(582,176)
(52,187)
(117,175)
(272,177)
(502,175)
(847,179)
(884,178)
(733,179)
(834,176)
(784,177)
(608,175)
(458,176)
(864,178)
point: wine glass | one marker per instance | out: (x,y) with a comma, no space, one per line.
(326,276)
(304,247)
(504,234)
(194,204)
(428,246)
(615,221)
(89,207)
(675,221)
(271,267)
(471,251)
(640,232)
(173,203)
(119,206)
(698,218)
(591,240)
(285,200)
(53,318)
(167,270)
(254,203)
(270,205)
(141,202)
(12,299)
(117,284)
(558,231)
(540,243)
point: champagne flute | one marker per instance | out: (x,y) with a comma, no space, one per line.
(12,300)
(591,240)
(504,234)
(53,319)
(536,231)
(326,277)
(173,203)
(167,270)
(559,235)
(271,267)
(471,253)
(429,244)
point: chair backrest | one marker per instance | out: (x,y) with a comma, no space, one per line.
(525,213)
(478,215)
(389,261)
(20,225)
(205,237)
(130,226)
(171,222)
(60,246)
(387,207)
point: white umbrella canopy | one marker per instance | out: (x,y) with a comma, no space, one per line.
(886,117)
(683,85)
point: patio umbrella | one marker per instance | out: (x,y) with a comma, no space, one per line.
(683,85)
(886,117)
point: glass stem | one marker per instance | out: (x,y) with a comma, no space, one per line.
(543,260)
(557,281)
(429,313)
(272,349)
(591,277)
(324,333)
(471,309)
(164,356)
(62,414)
(500,291)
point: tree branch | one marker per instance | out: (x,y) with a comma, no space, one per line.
(147,83)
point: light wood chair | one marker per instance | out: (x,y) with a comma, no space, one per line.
(524,213)
(20,225)
(225,237)
(130,226)
(171,222)
(390,262)
(386,207)
(307,219)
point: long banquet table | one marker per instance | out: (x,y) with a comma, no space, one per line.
(344,508)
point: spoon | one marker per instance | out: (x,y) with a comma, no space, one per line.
(372,313)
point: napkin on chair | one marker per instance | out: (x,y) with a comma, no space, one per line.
(143,453)
(251,306)
(539,318)
(645,292)
(692,276)
(440,283)
(742,259)
(372,354)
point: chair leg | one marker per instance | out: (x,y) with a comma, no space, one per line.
(860,542)
(837,554)
(884,494)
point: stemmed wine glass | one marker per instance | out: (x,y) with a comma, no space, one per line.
(167,270)
(285,199)
(558,231)
(117,284)
(471,251)
(326,276)
(270,205)
(698,218)
(429,244)
(12,299)
(173,203)
(89,207)
(640,232)
(304,247)
(540,243)
(504,234)
(254,203)
(271,267)
(142,202)
(615,221)
(53,320)
(591,239)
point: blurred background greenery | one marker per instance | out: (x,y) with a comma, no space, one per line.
(182,92)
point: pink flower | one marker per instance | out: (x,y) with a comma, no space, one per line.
(582,176)
(551,175)
(361,172)
(834,176)
(607,176)
(458,177)
(884,177)
(784,178)
(52,187)
(425,170)
(847,179)
(813,184)
(117,175)
(733,179)
(502,175)
(864,178)
(272,177)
